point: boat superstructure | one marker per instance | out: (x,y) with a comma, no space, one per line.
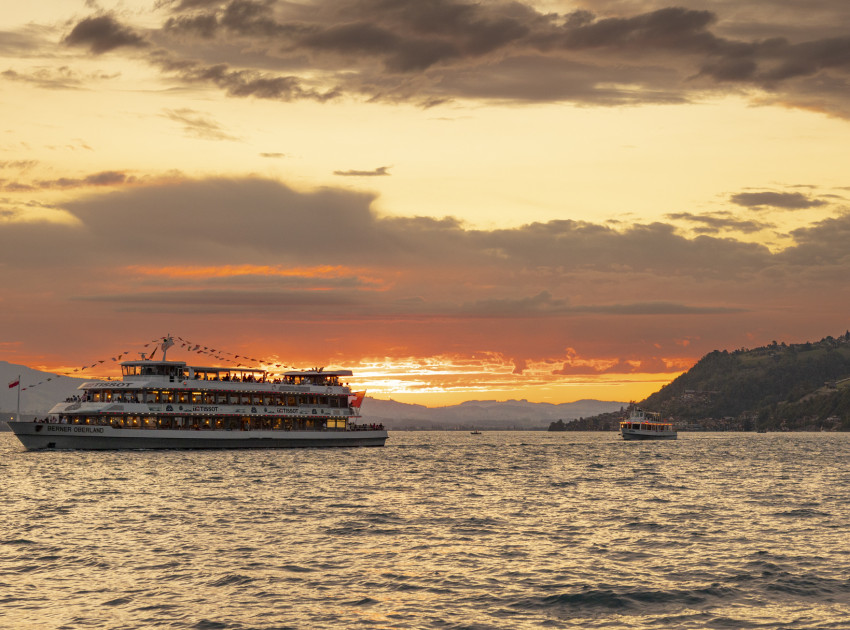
(646,425)
(170,404)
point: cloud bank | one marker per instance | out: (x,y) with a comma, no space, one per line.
(608,53)
(206,251)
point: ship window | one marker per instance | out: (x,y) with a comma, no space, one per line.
(197,398)
(183,397)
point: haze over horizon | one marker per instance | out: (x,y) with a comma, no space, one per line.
(538,200)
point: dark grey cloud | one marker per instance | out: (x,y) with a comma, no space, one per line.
(102,178)
(536,77)
(669,28)
(47,78)
(102,34)
(337,227)
(378,172)
(26,41)
(429,53)
(541,304)
(656,308)
(544,304)
(182,5)
(822,245)
(787,201)
(241,83)
(717,222)
(200,252)
(20,165)
(232,300)
(197,124)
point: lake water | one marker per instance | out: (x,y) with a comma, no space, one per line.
(435,530)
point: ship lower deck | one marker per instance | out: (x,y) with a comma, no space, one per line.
(642,434)
(44,436)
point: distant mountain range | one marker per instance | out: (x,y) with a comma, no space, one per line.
(44,390)
(481,414)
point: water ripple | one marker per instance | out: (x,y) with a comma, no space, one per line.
(436,530)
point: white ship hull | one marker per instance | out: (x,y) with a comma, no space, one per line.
(43,436)
(643,434)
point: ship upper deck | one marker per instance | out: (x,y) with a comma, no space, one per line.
(147,373)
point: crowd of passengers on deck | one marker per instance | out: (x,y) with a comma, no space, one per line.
(250,378)
(254,424)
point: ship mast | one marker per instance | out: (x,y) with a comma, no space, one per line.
(167,342)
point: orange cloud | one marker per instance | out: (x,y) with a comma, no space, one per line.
(227,271)
(196,272)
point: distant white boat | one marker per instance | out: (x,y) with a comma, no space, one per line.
(646,425)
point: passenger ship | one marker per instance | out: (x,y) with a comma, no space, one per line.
(646,425)
(171,405)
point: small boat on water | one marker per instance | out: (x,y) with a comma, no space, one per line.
(476,432)
(646,425)
(173,405)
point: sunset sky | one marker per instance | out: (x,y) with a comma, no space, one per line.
(544,200)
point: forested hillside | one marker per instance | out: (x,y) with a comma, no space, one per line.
(776,386)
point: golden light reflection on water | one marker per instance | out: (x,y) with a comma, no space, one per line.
(505,529)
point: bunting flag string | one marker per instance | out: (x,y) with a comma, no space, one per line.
(225,355)
(162,342)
